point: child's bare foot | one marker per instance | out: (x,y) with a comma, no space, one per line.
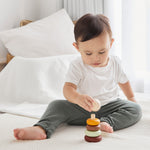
(30,133)
(104,126)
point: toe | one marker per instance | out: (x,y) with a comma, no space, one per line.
(42,136)
(20,134)
(110,129)
(16,133)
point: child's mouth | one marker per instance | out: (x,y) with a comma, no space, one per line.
(96,64)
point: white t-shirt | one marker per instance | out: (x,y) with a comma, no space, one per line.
(98,82)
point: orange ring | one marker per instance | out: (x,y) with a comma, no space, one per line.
(93,122)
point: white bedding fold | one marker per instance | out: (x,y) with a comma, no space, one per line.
(27,85)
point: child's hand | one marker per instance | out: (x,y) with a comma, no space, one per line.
(85,102)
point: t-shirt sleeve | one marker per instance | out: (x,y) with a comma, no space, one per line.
(121,74)
(74,73)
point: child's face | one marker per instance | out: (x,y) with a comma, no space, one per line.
(95,52)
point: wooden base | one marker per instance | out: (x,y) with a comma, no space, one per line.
(9,57)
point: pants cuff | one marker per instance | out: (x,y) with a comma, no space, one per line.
(48,134)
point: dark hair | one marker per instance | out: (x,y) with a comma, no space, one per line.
(90,26)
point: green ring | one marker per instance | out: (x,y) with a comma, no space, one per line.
(93,133)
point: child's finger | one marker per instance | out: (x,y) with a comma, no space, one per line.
(87,107)
(90,98)
(89,103)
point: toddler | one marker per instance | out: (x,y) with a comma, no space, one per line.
(93,75)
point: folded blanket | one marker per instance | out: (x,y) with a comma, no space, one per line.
(27,85)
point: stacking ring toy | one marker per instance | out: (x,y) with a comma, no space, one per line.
(92,133)
(93,121)
(93,139)
(93,128)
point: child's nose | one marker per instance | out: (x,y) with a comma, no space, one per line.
(97,58)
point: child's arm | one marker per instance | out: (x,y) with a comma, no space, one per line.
(73,96)
(127,90)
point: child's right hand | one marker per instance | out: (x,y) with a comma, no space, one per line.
(86,102)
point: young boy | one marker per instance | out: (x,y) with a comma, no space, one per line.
(95,74)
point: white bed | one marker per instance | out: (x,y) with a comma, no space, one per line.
(72,137)
(27,85)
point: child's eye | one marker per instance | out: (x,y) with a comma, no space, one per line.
(101,52)
(88,53)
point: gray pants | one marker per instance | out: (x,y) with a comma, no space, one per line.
(118,113)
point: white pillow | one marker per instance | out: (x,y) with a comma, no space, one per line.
(50,36)
(3,53)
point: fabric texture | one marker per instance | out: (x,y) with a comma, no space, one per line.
(49,36)
(100,83)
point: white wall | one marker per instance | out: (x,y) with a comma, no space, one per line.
(9,13)
(12,11)
(30,9)
(48,7)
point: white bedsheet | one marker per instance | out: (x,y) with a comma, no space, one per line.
(136,137)
(27,85)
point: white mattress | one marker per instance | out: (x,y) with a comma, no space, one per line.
(72,137)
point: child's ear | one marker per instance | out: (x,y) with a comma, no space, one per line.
(76,46)
(111,42)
